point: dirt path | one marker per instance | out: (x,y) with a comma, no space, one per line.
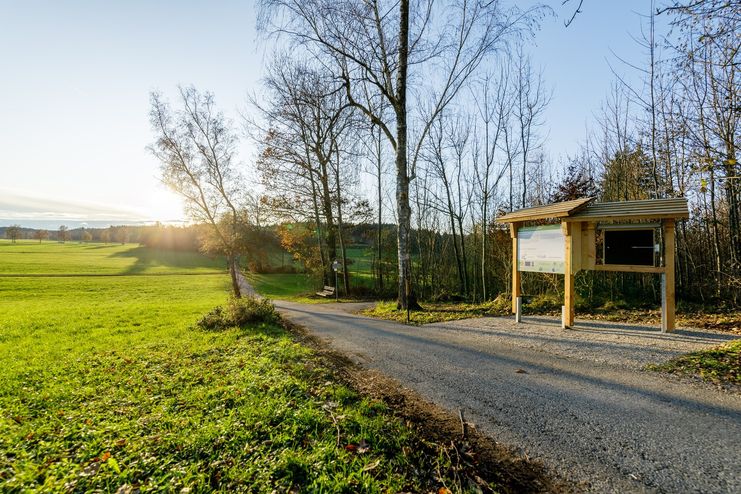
(599,422)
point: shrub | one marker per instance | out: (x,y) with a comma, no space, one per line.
(540,304)
(246,310)
(611,305)
(500,305)
(239,312)
(213,320)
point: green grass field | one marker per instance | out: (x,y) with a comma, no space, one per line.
(282,286)
(33,258)
(107,386)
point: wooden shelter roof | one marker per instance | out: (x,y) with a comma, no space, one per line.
(586,210)
(651,209)
(555,210)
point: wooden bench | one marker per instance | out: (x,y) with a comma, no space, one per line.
(328,291)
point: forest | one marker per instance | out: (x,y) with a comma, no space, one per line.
(409,127)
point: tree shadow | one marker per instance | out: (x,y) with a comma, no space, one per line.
(181,262)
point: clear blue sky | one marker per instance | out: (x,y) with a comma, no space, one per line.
(76,76)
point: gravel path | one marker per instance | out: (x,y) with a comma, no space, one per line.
(572,399)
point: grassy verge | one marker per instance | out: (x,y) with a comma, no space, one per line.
(437,311)
(720,365)
(721,319)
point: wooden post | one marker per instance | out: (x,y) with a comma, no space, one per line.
(667,322)
(568,289)
(588,246)
(516,285)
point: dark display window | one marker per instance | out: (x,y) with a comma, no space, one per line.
(632,247)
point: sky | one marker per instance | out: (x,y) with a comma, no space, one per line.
(75,79)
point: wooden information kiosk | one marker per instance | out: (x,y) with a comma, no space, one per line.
(628,236)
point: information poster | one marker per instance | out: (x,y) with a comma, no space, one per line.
(541,249)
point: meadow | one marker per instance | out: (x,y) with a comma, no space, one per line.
(108,385)
(72,258)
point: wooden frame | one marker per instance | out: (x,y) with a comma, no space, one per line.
(516,278)
(631,227)
(579,223)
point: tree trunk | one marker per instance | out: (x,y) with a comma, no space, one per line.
(343,252)
(407,298)
(380,216)
(716,236)
(464,259)
(317,218)
(484,228)
(329,216)
(232,261)
(459,265)
(734,211)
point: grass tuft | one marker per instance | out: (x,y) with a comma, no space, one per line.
(720,365)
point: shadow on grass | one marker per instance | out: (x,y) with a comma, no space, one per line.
(147,258)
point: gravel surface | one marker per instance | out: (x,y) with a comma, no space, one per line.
(573,399)
(597,341)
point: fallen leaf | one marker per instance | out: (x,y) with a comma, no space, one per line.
(121,442)
(330,405)
(363,447)
(351,447)
(521,371)
(91,469)
(105,456)
(371,466)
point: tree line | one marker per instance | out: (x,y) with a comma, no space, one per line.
(426,119)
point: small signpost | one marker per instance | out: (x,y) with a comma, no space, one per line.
(336,267)
(629,244)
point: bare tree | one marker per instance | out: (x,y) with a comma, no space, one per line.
(380,50)
(13,232)
(531,100)
(302,136)
(195,145)
(375,154)
(63,234)
(41,235)
(493,113)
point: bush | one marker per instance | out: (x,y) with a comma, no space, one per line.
(246,310)
(213,320)
(500,305)
(541,304)
(611,305)
(239,312)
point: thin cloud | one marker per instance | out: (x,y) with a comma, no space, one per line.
(16,206)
